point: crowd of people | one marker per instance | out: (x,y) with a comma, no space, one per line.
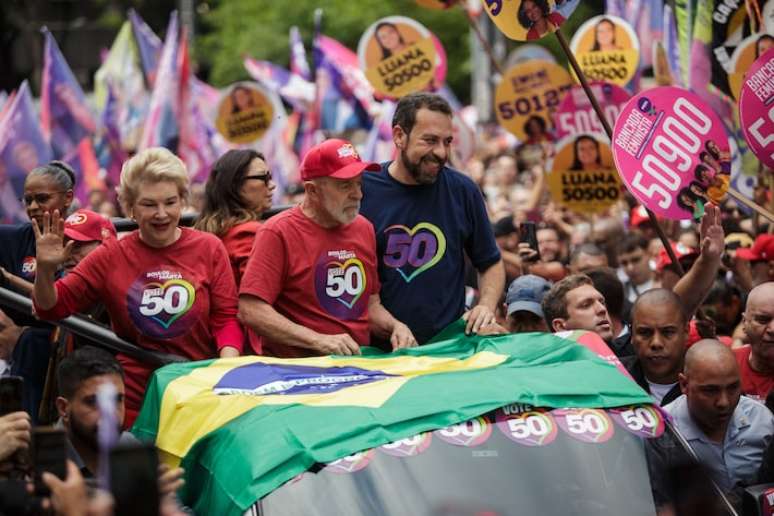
(384,255)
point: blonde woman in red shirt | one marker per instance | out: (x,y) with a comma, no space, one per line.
(165,288)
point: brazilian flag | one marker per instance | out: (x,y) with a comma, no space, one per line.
(241,427)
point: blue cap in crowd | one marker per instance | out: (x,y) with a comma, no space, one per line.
(526,293)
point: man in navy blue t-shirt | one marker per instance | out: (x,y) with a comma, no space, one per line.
(427,218)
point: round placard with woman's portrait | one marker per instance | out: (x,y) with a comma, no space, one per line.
(399,56)
(245,113)
(607,49)
(529,20)
(582,174)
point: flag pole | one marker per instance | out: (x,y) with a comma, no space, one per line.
(609,130)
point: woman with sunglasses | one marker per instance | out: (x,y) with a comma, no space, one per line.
(24,341)
(237,193)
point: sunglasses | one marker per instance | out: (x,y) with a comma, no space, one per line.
(263,177)
(41,198)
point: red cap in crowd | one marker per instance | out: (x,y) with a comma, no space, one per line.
(88,226)
(638,216)
(334,158)
(681,251)
(762,249)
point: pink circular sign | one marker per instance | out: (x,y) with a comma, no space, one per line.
(585,425)
(575,115)
(526,425)
(470,433)
(641,420)
(351,463)
(409,446)
(756,108)
(672,152)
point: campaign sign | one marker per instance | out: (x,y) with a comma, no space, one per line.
(399,56)
(672,152)
(585,425)
(526,425)
(582,176)
(351,463)
(607,49)
(245,113)
(528,20)
(528,95)
(744,57)
(408,447)
(576,115)
(756,108)
(473,432)
(641,420)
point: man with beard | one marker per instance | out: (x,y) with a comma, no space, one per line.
(728,432)
(79,377)
(428,217)
(311,287)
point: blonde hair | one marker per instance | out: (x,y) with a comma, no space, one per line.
(151,165)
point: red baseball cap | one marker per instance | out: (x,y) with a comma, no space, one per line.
(88,226)
(334,158)
(638,216)
(681,251)
(762,249)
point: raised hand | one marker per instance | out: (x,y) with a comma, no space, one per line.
(711,233)
(49,243)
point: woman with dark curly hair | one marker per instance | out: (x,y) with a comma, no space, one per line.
(537,18)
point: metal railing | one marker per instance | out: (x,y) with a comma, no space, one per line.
(100,335)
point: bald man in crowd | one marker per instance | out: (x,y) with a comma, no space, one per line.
(659,336)
(728,432)
(756,360)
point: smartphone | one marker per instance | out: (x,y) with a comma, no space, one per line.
(11,391)
(528,235)
(49,453)
(134,480)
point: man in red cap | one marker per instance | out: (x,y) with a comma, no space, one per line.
(761,258)
(87,230)
(311,285)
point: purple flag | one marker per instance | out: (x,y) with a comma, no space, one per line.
(22,148)
(297,91)
(65,117)
(298,63)
(161,125)
(149,45)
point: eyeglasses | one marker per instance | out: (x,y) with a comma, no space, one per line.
(41,198)
(263,177)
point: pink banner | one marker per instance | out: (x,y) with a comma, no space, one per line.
(756,108)
(672,152)
(575,114)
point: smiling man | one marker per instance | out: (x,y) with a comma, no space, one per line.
(427,218)
(728,432)
(659,336)
(310,287)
